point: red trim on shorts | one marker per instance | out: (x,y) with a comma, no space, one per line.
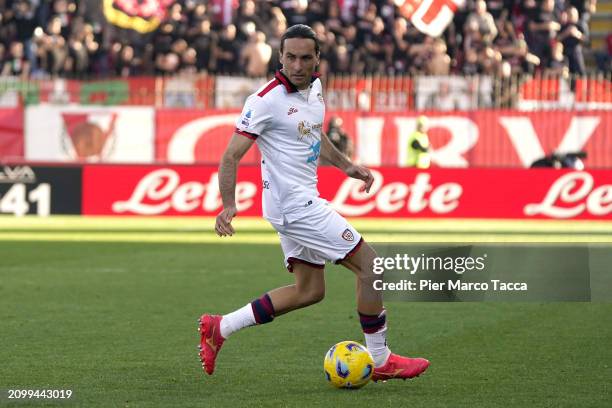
(291,260)
(250,135)
(275,82)
(351,252)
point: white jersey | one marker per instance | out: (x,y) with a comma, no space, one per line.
(287,127)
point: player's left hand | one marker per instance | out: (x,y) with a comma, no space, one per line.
(223,223)
(361,173)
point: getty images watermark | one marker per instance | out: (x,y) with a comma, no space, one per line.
(483,272)
(450,268)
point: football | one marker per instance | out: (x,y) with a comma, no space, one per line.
(348,364)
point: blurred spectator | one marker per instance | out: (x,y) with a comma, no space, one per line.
(177,20)
(248,20)
(473,39)
(189,62)
(315,11)
(63,11)
(163,38)
(500,9)
(339,138)
(557,65)
(24,21)
(55,46)
(542,27)
(340,60)
(585,9)
(401,45)
(196,14)
(295,11)
(333,22)
(484,20)
(16,64)
(227,51)
(439,61)
(124,65)
(471,65)
(604,56)
(256,55)
(204,42)
(278,25)
(377,45)
(365,23)
(326,46)
(167,64)
(572,37)
(354,49)
(513,49)
(78,61)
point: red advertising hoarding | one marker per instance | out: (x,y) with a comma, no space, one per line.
(459,139)
(396,192)
(11,133)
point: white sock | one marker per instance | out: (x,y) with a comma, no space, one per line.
(376,344)
(239,319)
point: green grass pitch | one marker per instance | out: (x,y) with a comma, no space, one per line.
(107,307)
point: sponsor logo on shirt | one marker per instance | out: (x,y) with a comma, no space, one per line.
(291,111)
(316,151)
(246,119)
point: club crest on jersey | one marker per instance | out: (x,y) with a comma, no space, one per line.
(246,119)
(320,97)
(306,128)
(291,111)
(347,235)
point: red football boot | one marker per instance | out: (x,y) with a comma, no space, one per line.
(400,367)
(210,341)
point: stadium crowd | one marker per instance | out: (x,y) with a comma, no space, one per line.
(42,38)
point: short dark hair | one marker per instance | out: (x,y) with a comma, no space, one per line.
(300,31)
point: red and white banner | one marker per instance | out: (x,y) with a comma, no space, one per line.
(430,16)
(89,133)
(406,193)
(459,139)
(11,134)
(560,93)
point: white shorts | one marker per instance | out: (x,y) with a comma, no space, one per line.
(322,235)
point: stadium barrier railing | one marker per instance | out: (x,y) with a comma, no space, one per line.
(342,92)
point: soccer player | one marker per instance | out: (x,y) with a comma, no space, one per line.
(285,118)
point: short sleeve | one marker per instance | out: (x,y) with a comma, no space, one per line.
(254,118)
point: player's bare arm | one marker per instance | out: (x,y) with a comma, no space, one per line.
(236,149)
(335,157)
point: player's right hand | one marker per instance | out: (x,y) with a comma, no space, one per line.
(223,224)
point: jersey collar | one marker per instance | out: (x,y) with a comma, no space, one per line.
(282,78)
